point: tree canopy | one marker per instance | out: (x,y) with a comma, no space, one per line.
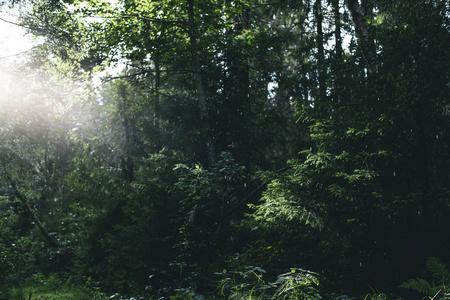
(176,148)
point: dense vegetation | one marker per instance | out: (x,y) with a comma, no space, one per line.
(232,149)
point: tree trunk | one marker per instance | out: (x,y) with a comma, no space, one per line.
(366,41)
(337,64)
(157,92)
(337,29)
(192,30)
(128,126)
(320,48)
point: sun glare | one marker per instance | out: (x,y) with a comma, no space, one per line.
(14,43)
(13,39)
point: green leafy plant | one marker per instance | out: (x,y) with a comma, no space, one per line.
(242,284)
(209,200)
(439,287)
(298,284)
(376,296)
(250,284)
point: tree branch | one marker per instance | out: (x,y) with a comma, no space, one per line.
(28,208)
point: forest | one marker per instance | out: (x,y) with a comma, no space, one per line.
(226,149)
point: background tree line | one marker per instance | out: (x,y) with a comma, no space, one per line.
(249,136)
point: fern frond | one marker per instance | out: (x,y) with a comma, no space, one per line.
(420,285)
(438,270)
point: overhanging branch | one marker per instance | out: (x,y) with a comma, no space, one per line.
(28,208)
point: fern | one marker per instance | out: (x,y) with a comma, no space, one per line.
(440,280)
(438,270)
(420,285)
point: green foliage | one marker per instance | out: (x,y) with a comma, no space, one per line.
(249,284)
(16,247)
(211,200)
(363,193)
(376,296)
(6,237)
(438,288)
(52,287)
(122,232)
(242,284)
(420,285)
(298,284)
(369,174)
(200,183)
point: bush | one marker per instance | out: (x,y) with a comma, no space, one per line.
(249,284)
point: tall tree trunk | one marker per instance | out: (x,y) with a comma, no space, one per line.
(422,159)
(239,66)
(236,82)
(128,126)
(337,63)
(337,29)
(192,30)
(320,48)
(366,41)
(157,88)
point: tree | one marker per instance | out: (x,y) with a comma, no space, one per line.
(38,103)
(365,182)
(351,93)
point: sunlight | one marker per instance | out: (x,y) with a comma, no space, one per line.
(24,89)
(13,39)
(14,45)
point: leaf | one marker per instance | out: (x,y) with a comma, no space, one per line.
(420,285)
(438,270)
